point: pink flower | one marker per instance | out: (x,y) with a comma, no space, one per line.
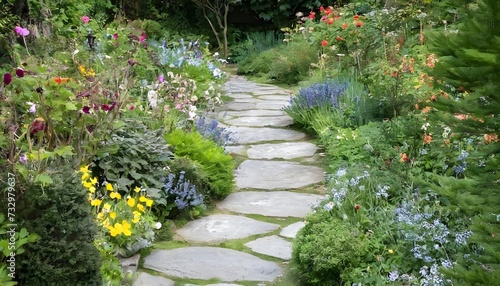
(115,36)
(143,38)
(132,107)
(23,159)
(161,78)
(23,32)
(85,19)
(33,108)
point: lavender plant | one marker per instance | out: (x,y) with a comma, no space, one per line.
(210,129)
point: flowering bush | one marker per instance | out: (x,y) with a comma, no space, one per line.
(126,221)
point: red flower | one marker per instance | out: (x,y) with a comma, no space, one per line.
(7,78)
(19,72)
(359,24)
(86,109)
(356,17)
(330,21)
(38,125)
(344,26)
(427,139)
(312,15)
(356,207)
(339,38)
(324,43)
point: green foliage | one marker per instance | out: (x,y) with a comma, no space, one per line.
(133,156)
(61,216)
(217,166)
(254,43)
(325,248)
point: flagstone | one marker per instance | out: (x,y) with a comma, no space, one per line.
(292,230)
(273,246)
(247,135)
(287,150)
(280,121)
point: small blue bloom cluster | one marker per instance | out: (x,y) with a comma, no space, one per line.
(462,165)
(209,128)
(182,191)
(319,94)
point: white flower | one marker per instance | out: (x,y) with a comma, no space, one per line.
(299,14)
(216,54)
(153,98)
(158,225)
(217,72)
(192,112)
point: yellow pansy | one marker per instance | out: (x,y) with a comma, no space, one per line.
(136,213)
(131,202)
(92,189)
(126,228)
(96,203)
(112,215)
(137,189)
(140,207)
(109,187)
(149,203)
(136,219)
(143,199)
(93,181)
(115,195)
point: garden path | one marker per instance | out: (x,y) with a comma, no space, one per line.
(248,240)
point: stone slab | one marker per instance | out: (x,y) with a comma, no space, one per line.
(274,246)
(276,97)
(280,121)
(240,95)
(271,175)
(292,230)
(248,135)
(206,263)
(222,227)
(130,264)
(273,203)
(287,150)
(145,279)
(271,105)
(256,112)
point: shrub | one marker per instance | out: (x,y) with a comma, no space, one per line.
(292,63)
(61,216)
(216,165)
(325,248)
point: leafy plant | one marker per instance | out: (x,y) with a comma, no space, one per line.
(217,166)
(133,156)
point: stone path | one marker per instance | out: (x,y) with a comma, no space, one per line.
(276,167)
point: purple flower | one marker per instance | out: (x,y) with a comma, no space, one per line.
(23,159)
(86,109)
(161,78)
(33,108)
(105,107)
(19,72)
(23,32)
(132,62)
(115,36)
(7,78)
(132,107)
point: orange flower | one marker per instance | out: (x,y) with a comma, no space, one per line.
(330,21)
(427,139)
(433,97)
(446,141)
(403,158)
(416,106)
(426,109)
(339,38)
(324,43)
(460,116)
(488,138)
(356,17)
(60,80)
(359,24)
(344,26)
(312,15)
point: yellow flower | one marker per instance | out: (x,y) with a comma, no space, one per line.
(140,207)
(112,215)
(143,199)
(109,187)
(96,203)
(106,206)
(87,185)
(131,202)
(149,203)
(92,189)
(391,251)
(136,213)
(116,229)
(126,228)
(137,189)
(85,176)
(100,216)
(90,72)
(93,181)
(82,69)
(136,219)
(84,169)
(115,195)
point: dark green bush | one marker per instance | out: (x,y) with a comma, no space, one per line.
(216,165)
(61,215)
(326,248)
